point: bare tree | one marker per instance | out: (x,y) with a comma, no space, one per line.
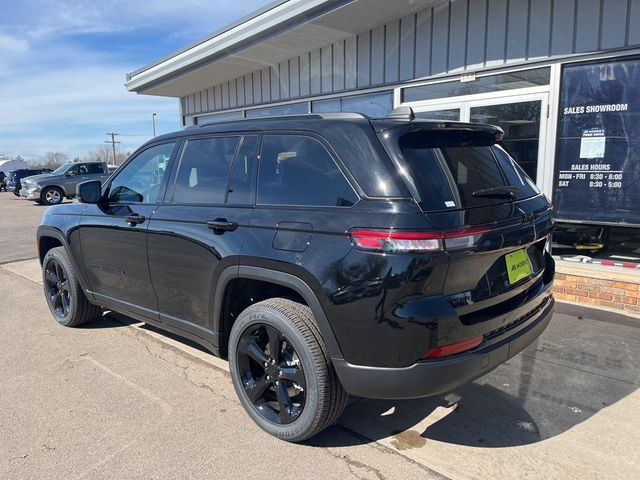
(104,153)
(54,159)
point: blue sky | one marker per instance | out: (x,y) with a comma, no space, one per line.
(63,66)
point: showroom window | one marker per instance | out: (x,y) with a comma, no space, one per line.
(490,83)
(290,109)
(375,105)
(597,178)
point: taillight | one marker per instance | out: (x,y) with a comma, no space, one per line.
(393,241)
(453,348)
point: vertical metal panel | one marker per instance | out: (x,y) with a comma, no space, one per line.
(183,105)
(248,89)
(233,94)
(633,32)
(476,32)
(407,46)
(364,59)
(377,55)
(240,91)
(338,66)
(274,74)
(225,95)
(284,80)
(539,28)
(257,87)
(440,40)
(218,96)
(614,15)
(587,25)
(392,52)
(305,75)
(294,77)
(517,30)
(423,43)
(266,84)
(496,32)
(326,68)
(458,36)
(350,62)
(315,71)
(212,99)
(562,28)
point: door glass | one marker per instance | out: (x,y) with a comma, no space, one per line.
(139,181)
(204,170)
(521,124)
(450,114)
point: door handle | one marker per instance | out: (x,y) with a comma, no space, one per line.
(134,219)
(221,225)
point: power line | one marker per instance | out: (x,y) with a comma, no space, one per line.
(113,145)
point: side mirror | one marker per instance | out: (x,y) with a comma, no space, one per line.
(89,192)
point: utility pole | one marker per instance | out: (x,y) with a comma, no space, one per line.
(113,145)
(153,120)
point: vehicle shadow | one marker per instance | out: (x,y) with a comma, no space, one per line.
(109,320)
(578,367)
(558,382)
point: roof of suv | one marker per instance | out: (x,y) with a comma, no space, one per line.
(321,121)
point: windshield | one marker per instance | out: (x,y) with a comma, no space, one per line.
(455,170)
(62,169)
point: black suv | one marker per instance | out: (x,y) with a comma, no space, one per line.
(323,255)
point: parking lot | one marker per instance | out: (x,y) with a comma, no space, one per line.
(116,399)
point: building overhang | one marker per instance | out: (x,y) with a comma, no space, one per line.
(279,31)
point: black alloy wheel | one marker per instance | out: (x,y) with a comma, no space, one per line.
(65,297)
(57,288)
(281,370)
(271,373)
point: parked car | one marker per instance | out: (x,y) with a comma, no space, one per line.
(323,255)
(15,177)
(3,184)
(52,188)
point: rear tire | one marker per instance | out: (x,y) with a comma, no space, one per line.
(300,372)
(63,292)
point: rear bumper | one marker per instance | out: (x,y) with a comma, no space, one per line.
(427,378)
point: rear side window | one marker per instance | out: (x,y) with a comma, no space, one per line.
(95,168)
(467,172)
(204,170)
(298,170)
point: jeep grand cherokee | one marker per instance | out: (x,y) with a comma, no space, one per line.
(322,255)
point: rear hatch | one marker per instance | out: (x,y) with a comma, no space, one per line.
(499,222)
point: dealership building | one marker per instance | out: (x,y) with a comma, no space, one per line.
(561,77)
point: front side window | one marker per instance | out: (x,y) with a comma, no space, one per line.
(204,170)
(298,170)
(139,181)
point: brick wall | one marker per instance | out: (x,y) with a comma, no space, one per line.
(600,289)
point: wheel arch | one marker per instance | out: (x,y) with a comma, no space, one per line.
(273,277)
(50,237)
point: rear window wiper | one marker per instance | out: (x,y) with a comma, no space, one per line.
(506,191)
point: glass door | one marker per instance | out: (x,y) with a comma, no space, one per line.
(447,114)
(524,126)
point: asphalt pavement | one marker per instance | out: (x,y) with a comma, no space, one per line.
(117,399)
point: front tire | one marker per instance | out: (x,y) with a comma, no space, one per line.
(63,292)
(51,196)
(282,372)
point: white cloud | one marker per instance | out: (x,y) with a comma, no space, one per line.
(62,70)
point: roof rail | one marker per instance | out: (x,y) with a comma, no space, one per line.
(301,116)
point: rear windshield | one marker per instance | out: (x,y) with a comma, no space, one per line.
(454,170)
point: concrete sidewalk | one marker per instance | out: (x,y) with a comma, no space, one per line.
(119,400)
